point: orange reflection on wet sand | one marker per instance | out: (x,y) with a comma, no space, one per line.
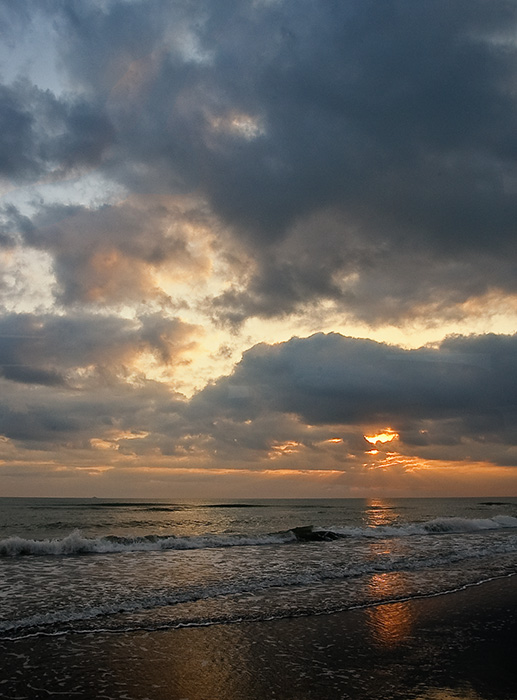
(389,623)
(464,693)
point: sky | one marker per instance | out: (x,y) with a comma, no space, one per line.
(258,248)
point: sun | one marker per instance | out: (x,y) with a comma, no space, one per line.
(387,435)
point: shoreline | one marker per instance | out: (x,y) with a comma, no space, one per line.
(451,646)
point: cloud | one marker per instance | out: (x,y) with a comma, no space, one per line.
(453,400)
(108,255)
(305,404)
(360,151)
(349,160)
(87,349)
(41,134)
(327,260)
(83,426)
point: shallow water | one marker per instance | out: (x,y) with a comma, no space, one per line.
(457,646)
(98,564)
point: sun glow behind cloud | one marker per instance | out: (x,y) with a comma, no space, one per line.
(387,435)
(186,209)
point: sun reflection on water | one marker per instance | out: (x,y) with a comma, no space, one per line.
(390,624)
(379,512)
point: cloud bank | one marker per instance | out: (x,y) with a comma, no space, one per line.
(190,170)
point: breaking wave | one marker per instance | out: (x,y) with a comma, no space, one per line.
(76,544)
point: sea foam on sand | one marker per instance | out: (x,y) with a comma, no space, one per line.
(456,646)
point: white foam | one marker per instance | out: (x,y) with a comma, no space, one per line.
(431,527)
(65,618)
(75,543)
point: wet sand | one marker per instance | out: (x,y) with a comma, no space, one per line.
(458,646)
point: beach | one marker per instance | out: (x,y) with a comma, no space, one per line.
(454,646)
(258,600)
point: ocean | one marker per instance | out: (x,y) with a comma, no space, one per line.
(99,566)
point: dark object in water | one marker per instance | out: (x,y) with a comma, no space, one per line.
(306,533)
(494,503)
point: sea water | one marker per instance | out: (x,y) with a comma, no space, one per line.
(107,565)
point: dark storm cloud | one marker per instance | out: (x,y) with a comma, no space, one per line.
(393,120)
(58,350)
(41,418)
(41,134)
(67,381)
(314,397)
(433,397)
(364,152)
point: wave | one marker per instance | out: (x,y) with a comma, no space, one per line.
(430,527)
(64,619)
(75,543)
